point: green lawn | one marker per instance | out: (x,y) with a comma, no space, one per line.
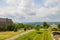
(34,35)
(8,34)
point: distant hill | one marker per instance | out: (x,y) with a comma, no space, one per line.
(41,23)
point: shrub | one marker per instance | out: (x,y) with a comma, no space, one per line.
(59,26)
(15,30)
(37,27)
(24,28)
(45,25)
(10,27)
(54,29)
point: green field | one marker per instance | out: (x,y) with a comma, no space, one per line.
(8,34)
(34,35)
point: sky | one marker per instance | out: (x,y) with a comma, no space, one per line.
(30,10)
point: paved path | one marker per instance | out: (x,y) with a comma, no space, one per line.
(57,37)
(14,37)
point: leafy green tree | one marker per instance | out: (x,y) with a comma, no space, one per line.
(10,27)
(15,29)
(18,26)
(59,26)
(37,27)
(27,27)
(21,25)
(45,25)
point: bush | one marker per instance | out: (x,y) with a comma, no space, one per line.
(15,30)
(27,27)
(19,25)
(54,29)
(37,27)
(10,27)
(45,25)
(59,26)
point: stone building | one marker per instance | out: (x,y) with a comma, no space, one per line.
(53,26)
(4,22)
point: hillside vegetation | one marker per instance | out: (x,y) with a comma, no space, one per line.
(35,35)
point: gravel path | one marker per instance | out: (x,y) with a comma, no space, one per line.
(14,37)
(57,37)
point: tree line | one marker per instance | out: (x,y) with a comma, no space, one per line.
(18,26)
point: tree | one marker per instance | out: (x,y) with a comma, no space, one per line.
(45,25)
(21,25)
(15,29)
(27,27)
(37,27)
(10,27)
(59,26)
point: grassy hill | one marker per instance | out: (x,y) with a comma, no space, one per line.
(34,35)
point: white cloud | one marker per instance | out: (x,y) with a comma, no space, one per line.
(25,7)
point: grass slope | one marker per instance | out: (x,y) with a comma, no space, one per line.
(5,35)
(34,35)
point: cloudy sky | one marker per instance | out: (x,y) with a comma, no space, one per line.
(30,10)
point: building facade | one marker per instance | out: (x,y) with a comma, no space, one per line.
(53,26)
(4,22)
